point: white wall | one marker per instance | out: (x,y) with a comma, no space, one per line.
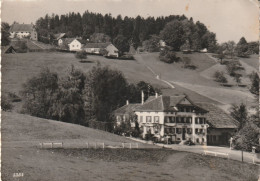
(75,45)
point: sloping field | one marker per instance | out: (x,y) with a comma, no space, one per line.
(24,128)
(17,68)
(252,61)
(108,164)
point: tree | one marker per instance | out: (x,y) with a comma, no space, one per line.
(229,48)
(237,78)
(121,43)
(219,77)
(40,93)
(242,48)
(220,54)
(69,105)
(105,90)
(173,34)
(168,56)
(82,55)
(152,45)
(5,34)
(239,113)
(99,38)
(254,88)
(247,137)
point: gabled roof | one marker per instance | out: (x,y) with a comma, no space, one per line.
(217,118)
(126,109)
(166,103)
(59,35)
(69,40)
(21,27)
(4,49)
(97,45)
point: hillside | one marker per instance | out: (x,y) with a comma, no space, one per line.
(24,128)
(110,164)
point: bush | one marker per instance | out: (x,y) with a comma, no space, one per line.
(187,63)
(13,97)
(233,66)
(219,77)
(82,55)
(6,104)
(21,47)
(168,56)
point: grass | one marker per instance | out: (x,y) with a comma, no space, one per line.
(107,164)
(251,61)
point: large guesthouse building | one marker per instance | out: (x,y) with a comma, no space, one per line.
(177,119)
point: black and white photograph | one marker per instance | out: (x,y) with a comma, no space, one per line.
(130,90)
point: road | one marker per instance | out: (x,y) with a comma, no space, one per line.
(233,154)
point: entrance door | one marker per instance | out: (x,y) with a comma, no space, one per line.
(183,133)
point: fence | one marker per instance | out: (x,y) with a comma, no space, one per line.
(216,153)
(89,145)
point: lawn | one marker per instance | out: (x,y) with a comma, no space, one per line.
(252,61)
(108,164)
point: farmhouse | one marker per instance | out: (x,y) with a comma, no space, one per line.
(176,118)
(59,38)
(22,31)
(97,48)
(72,44)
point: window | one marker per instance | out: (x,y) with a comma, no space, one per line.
(148,119)
(177,119)
(189,119)
(172,130)
(182,120)
(156,119)
(201,120)
(141,119)
(202,140)
(198,140)
(196,121)
(196,131)
(178,130)
(166,130)
(189,130)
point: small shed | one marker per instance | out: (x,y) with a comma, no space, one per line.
(8,49)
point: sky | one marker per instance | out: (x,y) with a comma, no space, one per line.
(229,19)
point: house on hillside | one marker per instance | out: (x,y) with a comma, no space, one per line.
(97,48)
(176,118)
(22,31)
(7,49)
(59,38)
(125,113)
(221,125)
(71,44)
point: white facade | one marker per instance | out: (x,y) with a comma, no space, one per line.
(112,51)
(75,45)
(178,126)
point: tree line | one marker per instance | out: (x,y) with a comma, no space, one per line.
(135,30)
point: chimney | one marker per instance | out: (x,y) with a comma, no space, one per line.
(142,97)
(156,95)
(127,102)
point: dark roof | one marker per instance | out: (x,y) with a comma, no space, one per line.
(59,35)
(97,45)
(218,118)
(21,27)
(7,48)
(126,109)
(166,103)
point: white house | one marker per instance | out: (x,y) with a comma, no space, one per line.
(22,31)
(176,118)
(96,48)
(72,44)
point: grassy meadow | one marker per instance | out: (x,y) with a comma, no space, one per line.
(21,134)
